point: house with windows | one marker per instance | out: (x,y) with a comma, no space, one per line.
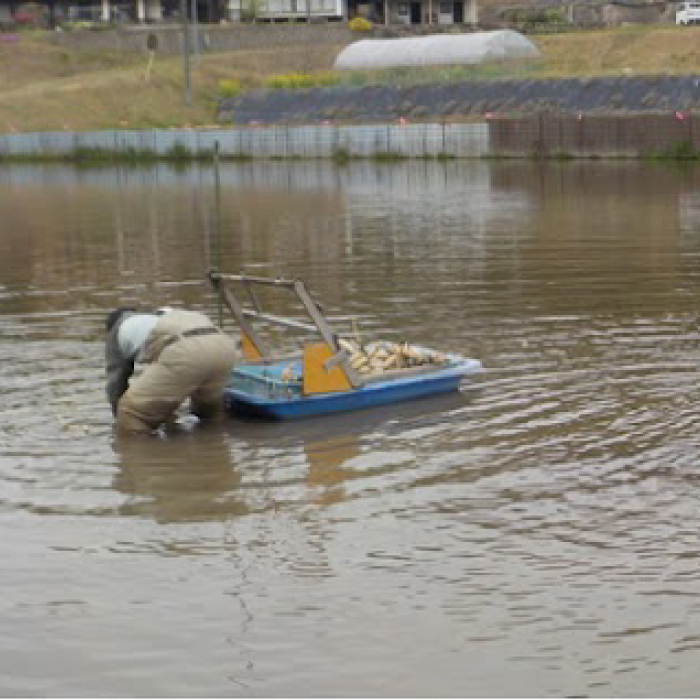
(406,12)
(385,12)
(439,12)
(52,12)
(286,10)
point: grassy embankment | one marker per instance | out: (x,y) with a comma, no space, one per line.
(44,87)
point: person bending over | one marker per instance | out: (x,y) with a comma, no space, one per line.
(184,355)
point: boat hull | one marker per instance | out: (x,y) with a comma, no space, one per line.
(440,381)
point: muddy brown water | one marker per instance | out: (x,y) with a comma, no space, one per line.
(536,534)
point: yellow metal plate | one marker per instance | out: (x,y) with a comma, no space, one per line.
(250,352)
(318,380)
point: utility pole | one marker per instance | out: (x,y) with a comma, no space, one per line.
(185,54)
(195,24)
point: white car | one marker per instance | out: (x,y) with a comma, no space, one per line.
(688,13)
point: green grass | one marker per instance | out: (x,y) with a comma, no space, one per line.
(679,152)
(442,74)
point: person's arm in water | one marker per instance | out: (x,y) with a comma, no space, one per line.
(118,374)
(119,368)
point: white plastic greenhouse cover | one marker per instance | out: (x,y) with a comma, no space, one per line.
(437,49)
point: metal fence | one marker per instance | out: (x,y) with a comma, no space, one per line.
(409,140)
(672,134)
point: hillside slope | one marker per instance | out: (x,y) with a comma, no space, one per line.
(44,87)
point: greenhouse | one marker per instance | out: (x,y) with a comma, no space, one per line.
(437,49)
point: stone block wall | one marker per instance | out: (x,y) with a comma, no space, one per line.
(212,38)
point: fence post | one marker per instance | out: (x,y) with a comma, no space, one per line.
(691,145)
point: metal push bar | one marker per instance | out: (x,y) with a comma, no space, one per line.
(320,323)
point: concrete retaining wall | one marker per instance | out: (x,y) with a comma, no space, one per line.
(673,135)
(411,141)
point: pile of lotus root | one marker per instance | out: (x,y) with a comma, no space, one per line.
(382,355)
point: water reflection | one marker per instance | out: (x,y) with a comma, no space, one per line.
(199,474)
(125,236)
(332,456)
(182,477)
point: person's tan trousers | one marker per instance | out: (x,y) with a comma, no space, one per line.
(180,366)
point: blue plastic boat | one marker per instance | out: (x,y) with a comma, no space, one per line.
(260,390)
(329,376)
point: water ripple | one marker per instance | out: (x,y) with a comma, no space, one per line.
(535,533)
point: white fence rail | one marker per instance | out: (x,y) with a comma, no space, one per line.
(367,141)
